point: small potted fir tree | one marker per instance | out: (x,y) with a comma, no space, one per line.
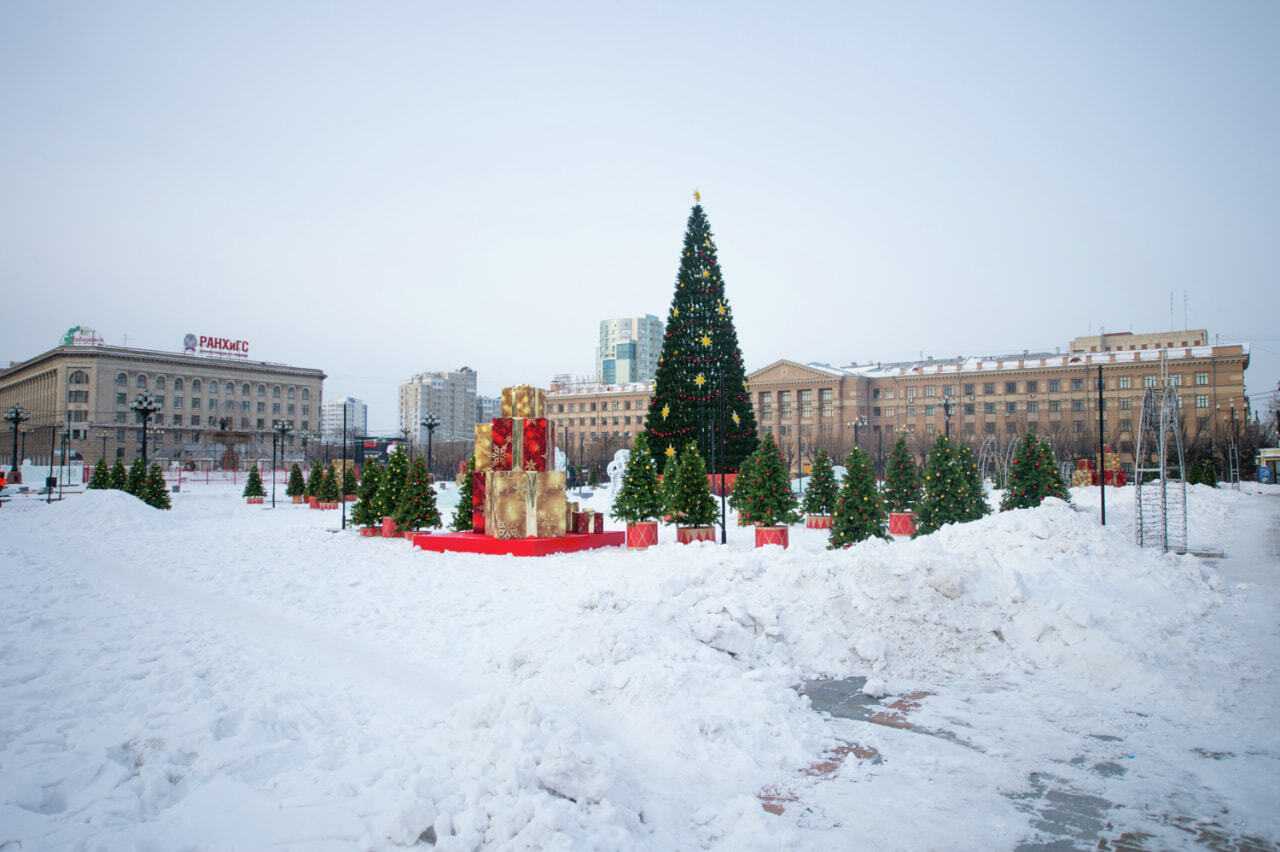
(314,481)
(766,495)
(365,513)
(417,508)
(820,498)
(902,489)
(688,497)
(639,499)
(859,512)
(253,490)
(296,488)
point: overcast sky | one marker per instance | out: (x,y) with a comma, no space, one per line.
(379,189)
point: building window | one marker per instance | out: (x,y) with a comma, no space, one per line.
(177,402)
(291,392)
(888,393)
(195,386)
(1150,381)
(1124,404)
(888,411)
(911,411)
(968,408)
(930,390)
(1010,387)
(875,411)
(1077,384)
(989,428)
(826,398)
(929,410)
(875,393)
(213,386)
(1054,385)
(988,387)
(1202,423)
(177,383)
(806,404)
(1077,405)
(930,428)
(1055,406)
(970,428)
(122,399)
(1176,378)
(160,401)
(275,408)
(968,390)
(195,421)
(288,408)
(306,394)
(1011,408)
(949,390)
(121,380)
(141,382)
(1202,400)
(159,382)
(262,408)
(1032,387)
(195,403)
(988,408)
(275,391)
(1124,383)
(1077,426)
(261,422)
(911,394)
(79,377)
(1010,427)
(1202,378)
(244,407)
(1033,407)
(1033,426)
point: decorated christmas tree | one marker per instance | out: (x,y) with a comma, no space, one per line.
(701,364)
(417,508)
(1033,476)
(154,491)
(349,483)
(315,479)
(639,498)
(462,515)
(820,499)
(253,488)
(687,492)
(902,486)
(101,476)
(137,478)
(119,477)
(860,511)
(328,490)
(952,493)
(735,499)
(365,513)
(296,487)
(391,481)
(765,496)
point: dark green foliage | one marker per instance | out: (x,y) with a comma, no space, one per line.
(820,497)
(860,511)
(119,477)
(328,490)
(700,361)
(253,488)
(735,499)
(1033,476)
(952,492)
(765,497)
(417,507)
(638,498)
(391,482)
(154,491)
(461,521)
(349,483)
(1204,473)
(315,479)
(687,492)
(902,485)
(137,478)
(296,487)
(101,476)
(365,513)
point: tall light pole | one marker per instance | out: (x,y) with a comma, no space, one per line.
(948,406)
(430,422)
(146,405)
(857,423)
(15,416)
(283,427)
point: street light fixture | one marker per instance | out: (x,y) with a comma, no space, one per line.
(15,416)
(857,423)
(145,404)
(430,422)
(283,427)
(948,407)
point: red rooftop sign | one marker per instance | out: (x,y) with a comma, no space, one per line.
(225,346)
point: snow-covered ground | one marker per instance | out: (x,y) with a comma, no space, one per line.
(230,676)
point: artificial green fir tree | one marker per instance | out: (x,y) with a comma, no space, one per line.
(860,511)
(736,497)
(365,513)
(154,491)
(101,476)
(1208,473)
(701,364)
(137,478)
(119,477)
(391,481)
(952,492)
(349,484)
(1033,476)
(253,488)
(417,507)
(328,490)
(462,518)
(639,498)
(820,498)
(902,486)
(315,479)
(296,487)
(766,497)
(687,491)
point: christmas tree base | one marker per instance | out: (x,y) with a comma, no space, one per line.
(254,500)
(817,522)
(471,542)
(371,532)
(388,527)
(902,523)
(642,534)
(684,535)
(298,498)
(772,535)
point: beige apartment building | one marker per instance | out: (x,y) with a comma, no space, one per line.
(82,394)
(817,406)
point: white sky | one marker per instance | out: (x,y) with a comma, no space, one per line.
(382,189)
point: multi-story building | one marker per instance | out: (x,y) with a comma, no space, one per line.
(332,418)
(487,408)
(83,392)
(629,349)
(450,396)
(597,419)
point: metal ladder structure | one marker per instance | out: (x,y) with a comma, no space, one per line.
(1159,472)
(1233,466)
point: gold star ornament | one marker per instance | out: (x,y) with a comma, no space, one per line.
(705,340)
(666,409)
(700,380)
(671,450)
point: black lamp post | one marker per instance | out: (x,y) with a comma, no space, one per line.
(145,404)
(283,427)
(948,406)
(15,416)
(430,422)
(857,423)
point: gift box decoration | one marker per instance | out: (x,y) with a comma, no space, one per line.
(524,401)
(525,504)
(598,524)
(570,512)
(584,522)
(484,447)
(522,443)
(478,492)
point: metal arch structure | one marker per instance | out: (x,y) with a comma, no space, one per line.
(1015,444)
(989,464)
(1159,472)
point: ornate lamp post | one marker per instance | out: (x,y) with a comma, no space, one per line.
(948,406)
(283,427)
(857,423)
(145,404)
(430,422)
(15,416)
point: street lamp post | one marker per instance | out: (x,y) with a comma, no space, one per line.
(948,407)
(15,417)
(430,422)
(146,405)
(857,423)
(283,427)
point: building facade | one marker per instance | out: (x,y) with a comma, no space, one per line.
(331,418)
(449,395)
(628,350)
(82,394)
(597,420)
(487,408)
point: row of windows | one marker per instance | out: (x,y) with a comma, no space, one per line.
(591,421)
(624,405)
(197,403)
(158,383)
(211,420)
(1033,386)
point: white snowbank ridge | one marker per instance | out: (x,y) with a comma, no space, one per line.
(161,670)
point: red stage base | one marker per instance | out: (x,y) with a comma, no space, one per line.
(470,542)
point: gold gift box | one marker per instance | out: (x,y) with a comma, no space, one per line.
(524,504)
(484,447)
(524,401)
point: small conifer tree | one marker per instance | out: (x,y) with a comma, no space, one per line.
(860,509)
(315,479)
(973,496)
(736,499)
(154,491)
(1033,476)
(417,507)
(137,478)
(820,499)
(952,492)
(119,477)
(101,476)
(462,519)
(766,496)
(391,482)
(349,483)
(902,486)
(687,492)
(639,497)
(296,487)
(328,490)
(365,512)
(253,488)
